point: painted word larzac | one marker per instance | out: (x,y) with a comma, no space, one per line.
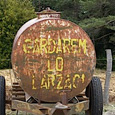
(50,81)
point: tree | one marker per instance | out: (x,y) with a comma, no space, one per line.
(98,20)
(96,17)
(13,14)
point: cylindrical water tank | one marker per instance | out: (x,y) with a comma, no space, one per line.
(51,55)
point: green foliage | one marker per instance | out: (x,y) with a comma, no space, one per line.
(68,8)
(13,14)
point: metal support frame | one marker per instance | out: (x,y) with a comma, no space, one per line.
(49,108)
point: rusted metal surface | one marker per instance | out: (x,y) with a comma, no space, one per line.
(48,13)
(17,92)
(50,109)
(64,98)
(79,107)
(51,55)
(23,106)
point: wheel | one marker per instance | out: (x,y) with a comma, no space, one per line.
(2,95)
(94,92)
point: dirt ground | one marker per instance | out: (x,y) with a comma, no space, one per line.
(9,76)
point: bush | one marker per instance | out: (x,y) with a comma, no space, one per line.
(13,14)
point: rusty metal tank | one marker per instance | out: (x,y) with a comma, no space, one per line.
(51,55)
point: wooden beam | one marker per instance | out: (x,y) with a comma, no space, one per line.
(108,76)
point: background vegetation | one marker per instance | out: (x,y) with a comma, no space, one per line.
(96,17)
